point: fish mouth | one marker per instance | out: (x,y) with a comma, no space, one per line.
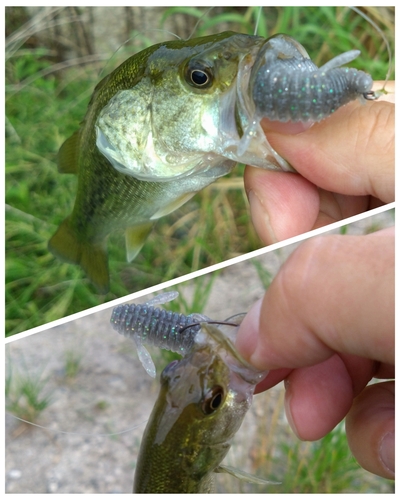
(244,138)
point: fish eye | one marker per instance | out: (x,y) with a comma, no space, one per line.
(199,78)
(197,75)
(213,400)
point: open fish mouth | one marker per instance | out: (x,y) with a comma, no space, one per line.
(216,121)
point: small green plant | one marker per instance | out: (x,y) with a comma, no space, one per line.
(25,395)
(264,274)
(322,466)
(102,405)
(72,364)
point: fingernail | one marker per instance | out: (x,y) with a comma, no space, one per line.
(260,215)
(247,337)
(386,451)
(288,411)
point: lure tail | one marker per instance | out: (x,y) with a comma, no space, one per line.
(91,257)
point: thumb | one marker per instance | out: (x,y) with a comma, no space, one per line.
(370,429)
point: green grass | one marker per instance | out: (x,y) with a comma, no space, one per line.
(72,364)
(45,101)
(25,394)
(323,466)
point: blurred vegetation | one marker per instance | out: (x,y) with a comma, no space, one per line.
(25,394)
(52,66)
(323,466)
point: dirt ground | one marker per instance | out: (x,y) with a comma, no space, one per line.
(111,393)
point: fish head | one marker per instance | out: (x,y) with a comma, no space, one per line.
(198,410)
(209,390)
(188,113)
(202,402)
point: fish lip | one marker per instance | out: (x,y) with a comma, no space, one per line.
(247,143)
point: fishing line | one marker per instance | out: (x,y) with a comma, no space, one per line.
(76,433)
(386,42)
(208,323)
(198,22)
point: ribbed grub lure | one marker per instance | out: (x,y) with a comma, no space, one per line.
(146,324)
(287,86)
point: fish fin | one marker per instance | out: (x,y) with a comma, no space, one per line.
(135,237)
(176,203)
(244,476)
(68,156)
(91,257)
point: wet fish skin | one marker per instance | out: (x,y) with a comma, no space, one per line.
(107,199)
(202,402)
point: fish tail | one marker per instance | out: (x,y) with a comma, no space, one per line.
(92,258)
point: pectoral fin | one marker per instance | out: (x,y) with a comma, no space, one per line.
(134,238)
(92,258)
(244,476)
(68,156)
(178,202)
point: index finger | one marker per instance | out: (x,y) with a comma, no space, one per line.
(351,152)
(333,294)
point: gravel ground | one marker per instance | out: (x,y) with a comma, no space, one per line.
(111,393)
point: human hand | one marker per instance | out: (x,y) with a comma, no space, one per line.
(346,164)
(326,326)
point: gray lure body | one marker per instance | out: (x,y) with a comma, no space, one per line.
(156,326)
(288,86)
(146,324)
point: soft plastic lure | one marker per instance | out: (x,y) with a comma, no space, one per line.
(146,324)
(288,86)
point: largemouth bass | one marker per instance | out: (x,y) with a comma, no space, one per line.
(166,123)
(202,402)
